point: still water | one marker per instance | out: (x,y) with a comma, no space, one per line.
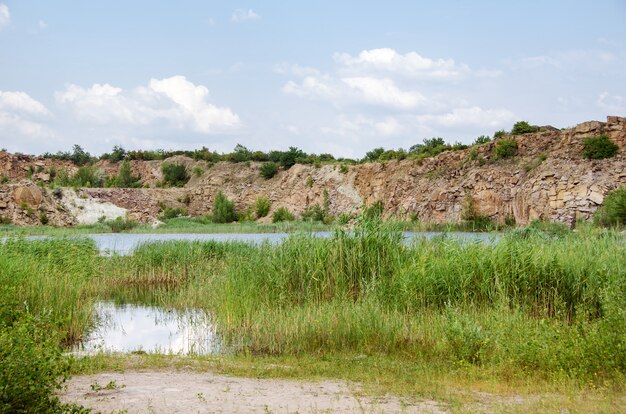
(124,244)
(138,328)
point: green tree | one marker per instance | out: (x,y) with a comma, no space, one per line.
(523,127)
(174,174)
(125,179)
(268,170)
(223,209)
(262,206)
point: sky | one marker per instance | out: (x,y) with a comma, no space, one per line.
(338,77)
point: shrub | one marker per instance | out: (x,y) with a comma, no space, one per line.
(121,224)
(309,181)
(174,174)
(282,214)
(268,170)
(600,147)
(313,212)
(88,176)
(5,220)
(43,218)
(483,139)
(523,127)
(262,206)
(223,209)
(170,213)
(499,134)
(4,179)
(343,169)
(613,211)
(197,171)
(125,179)
(32,365)
(505,148)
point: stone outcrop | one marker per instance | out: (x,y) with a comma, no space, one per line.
(548,178)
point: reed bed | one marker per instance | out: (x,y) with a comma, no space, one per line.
(528,302)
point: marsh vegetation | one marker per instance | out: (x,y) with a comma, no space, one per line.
(532,305)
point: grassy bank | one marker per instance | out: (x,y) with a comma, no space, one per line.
(533,307)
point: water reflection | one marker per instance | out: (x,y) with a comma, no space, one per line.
(129,328)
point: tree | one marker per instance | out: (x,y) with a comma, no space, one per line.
(268,170)
(117,154)
(174,174)
(523,127)
(223,209)
(374,154)
(124,178)
(79,156)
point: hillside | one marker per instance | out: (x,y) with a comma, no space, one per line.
(548,178)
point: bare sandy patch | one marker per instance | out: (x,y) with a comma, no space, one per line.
(190,392)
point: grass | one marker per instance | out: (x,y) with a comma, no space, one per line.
(533,308)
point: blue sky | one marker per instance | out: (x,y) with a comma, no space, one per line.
(340,77)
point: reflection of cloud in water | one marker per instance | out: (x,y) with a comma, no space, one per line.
(126,328)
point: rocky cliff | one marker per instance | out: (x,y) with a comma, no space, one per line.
(548,178)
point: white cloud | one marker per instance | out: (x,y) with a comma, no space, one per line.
(614,104)
(5,16)
(312,87)
(244,15)
(21,102)
(174,100)
(469,117)
(22,115)
(410,64)
(384,91)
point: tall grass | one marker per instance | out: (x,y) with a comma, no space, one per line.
(554,304)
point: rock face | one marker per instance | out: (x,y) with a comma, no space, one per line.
(548,178)
(30,195)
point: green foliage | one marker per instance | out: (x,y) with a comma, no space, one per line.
(374,155)
(600,147)
(262,206)
(499,134)
(289,158)
(612,213)
(343,168)
(5,220)
(223,209)
(309,181)
(87,176)
(483,139)
(125,179)
(523,127)
(120,224)
(505,148)
(32,365)
(117,154)
(169,213)
(282,214)
(197,171)
(174,174)
(4,179)
(268,170)
(374,211)
(27,209)
(536,162)
(43,218)
(471,215)
(473,155)
(313,212)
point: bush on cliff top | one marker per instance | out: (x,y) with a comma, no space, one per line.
(523,127)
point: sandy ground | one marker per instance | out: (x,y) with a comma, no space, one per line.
(188,392)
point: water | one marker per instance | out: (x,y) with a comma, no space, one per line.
(124,244)
(138,328)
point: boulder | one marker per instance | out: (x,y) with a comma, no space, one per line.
(30,195)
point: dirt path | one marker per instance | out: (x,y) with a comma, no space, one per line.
(189,392)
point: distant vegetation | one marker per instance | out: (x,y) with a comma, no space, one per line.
(523,127)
